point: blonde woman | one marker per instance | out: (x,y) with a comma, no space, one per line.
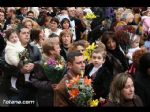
(122,92)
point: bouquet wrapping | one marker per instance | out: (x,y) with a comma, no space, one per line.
(54,69)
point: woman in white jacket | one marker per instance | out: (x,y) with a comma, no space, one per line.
(12,50)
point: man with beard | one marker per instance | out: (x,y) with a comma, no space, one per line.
(75,62)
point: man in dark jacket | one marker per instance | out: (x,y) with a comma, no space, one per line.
(27,91)
(79,27)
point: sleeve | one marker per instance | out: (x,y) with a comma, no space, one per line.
(11,57)
(39,80)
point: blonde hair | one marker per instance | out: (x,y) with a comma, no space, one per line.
(65,32)
(74,45)
(49,44)
(100,50)
(34,24)
(117,85)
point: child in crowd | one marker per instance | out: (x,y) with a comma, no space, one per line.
(147,43)
(12,50)
(99,72)
(135,40)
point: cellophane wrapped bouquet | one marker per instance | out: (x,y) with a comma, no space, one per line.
(54,69)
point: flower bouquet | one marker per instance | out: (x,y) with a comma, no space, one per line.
(81,92)
(90,16)
(88,52)
(24,57)
(54,69)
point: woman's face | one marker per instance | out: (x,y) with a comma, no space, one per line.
(66,25)
(111,44)
(53,25)
(56,51)
(80,48)
(128,91)
(42,36)
(28,25)
(66,39)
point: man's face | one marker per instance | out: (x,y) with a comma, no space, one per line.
(24,35)
(72,11)
(30,15)
(2,16)
(24,10)
(78,65)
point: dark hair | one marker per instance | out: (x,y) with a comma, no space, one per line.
(34,34)
(55,20)
(71,56)
(63,20)
(53,35)
(9,32)
(20,28)
(30,12)
(144,63)
(106,36)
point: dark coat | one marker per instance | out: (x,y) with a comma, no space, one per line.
(102,80)
(63,52)
(79,28)
(136,102)
(117,53)
(142,87)
(44,89)
(26,91)
(96,33)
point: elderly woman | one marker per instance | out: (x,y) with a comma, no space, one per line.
(122,92)
(44,81)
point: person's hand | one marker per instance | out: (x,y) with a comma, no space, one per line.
(27,68)
(31,66)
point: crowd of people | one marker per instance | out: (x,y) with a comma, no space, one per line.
(33,37)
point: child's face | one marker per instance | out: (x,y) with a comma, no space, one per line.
(97,59)
(13,38)
(66,25)
(135,43)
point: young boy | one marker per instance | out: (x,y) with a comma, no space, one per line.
(99,72)
(12,50)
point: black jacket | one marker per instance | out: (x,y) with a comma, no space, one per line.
(102,80)
(11,70)
(142,87)
(44,89)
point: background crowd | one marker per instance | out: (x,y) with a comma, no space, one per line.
(43,47)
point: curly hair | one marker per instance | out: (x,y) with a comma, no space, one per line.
(137,55)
